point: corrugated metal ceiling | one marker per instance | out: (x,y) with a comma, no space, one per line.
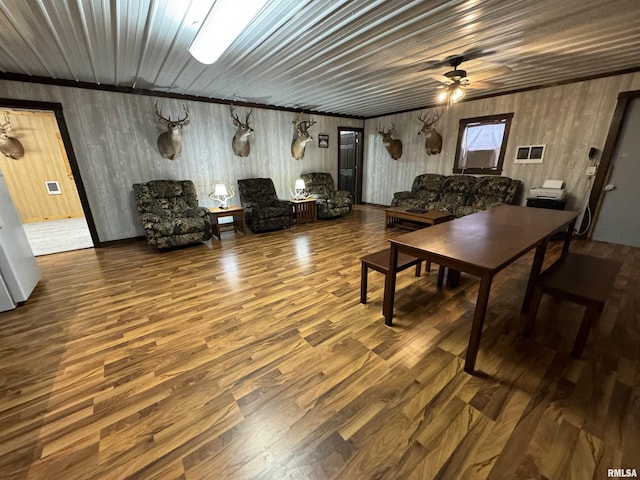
(360,57)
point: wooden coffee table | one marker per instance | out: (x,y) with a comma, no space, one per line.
(396,215)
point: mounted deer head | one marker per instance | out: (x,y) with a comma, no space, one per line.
(240,143)
(393,145)
(432,139)
(9,146)
(170,142)
(302,137)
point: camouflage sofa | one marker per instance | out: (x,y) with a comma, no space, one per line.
(263,210)
(457,194)
(170,213)
(331,202)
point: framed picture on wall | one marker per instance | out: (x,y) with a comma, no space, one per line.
(323,140)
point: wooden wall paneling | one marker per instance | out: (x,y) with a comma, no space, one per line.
(44,160)
(114,138)
(569,119)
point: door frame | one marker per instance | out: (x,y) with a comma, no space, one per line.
(597,191)
(56,108)
(359,160)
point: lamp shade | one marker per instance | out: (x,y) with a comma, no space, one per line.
(299,184)
(220,189)
(224,23)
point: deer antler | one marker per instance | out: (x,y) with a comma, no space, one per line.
(391,131)
(159,114)
(180,121)
(6,126)
(234,115)
(186,114)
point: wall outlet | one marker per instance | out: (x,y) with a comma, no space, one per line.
(591,171)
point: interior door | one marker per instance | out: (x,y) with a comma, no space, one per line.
(350,162)
(618,220)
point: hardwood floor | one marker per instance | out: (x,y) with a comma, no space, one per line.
(253,358)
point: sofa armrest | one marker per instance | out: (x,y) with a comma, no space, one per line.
(197,212)
(281,203)
(150,218)
(342,194)
(403,195)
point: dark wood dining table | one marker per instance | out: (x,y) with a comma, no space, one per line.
(482,244)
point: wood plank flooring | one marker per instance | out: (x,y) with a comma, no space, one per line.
(252,357)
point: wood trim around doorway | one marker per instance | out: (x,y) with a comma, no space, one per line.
(597,191)
(56,108)
(359,160)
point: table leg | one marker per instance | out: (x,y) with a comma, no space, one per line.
(538,259)
(215,226)
(568,236)
(478,321)
(363,282)
(390,285)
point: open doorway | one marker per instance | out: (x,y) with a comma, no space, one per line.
(350,161)
(44,183)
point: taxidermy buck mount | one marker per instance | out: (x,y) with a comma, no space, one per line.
(393,145)
(9,146)
(170,142)
(240,143)
(432,139)
(302,137)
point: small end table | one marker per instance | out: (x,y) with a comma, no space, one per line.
(305,210)
(233,211)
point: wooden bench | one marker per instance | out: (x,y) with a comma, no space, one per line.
(379,261)
(581,279)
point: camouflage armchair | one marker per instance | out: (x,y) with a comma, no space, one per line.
(331,202)
(263,210)
(170,213)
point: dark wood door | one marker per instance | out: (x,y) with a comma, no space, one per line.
(350,162)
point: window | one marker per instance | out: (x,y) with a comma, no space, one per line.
(482,142)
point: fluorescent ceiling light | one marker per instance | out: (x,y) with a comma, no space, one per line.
(224,23)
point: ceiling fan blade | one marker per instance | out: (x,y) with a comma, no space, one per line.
(433,65)
(438,77)
(456,59)
(483,85)
(494,72)
(474,53)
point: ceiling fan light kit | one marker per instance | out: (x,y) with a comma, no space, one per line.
(451,94)
(456,81)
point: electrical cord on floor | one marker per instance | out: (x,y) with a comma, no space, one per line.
(587,210)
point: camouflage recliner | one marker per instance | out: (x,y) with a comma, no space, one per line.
(170,213)
(331,202)
(263,210)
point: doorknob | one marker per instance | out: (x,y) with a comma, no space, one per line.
(608,187)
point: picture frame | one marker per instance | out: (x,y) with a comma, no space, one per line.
(323,140)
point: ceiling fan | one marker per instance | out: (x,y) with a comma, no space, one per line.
(455,81)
